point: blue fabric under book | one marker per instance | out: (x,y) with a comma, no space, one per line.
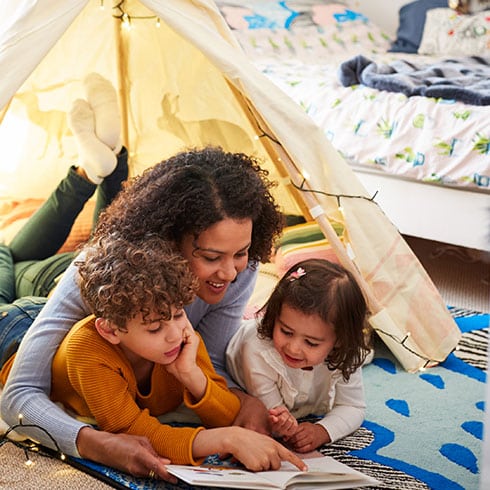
(411,24)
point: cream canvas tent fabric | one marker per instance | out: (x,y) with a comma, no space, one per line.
(184,82)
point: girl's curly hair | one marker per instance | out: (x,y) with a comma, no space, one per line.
(323,288)
(120,279)
(193,190)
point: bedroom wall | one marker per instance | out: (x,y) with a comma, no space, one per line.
(381,12)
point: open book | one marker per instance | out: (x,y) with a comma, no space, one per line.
(323,473)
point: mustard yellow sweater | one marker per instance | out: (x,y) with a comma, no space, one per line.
(93,378)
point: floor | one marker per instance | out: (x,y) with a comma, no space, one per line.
(461,275)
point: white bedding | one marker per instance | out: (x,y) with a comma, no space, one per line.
(426,139)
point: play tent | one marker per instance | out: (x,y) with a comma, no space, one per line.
(183,81)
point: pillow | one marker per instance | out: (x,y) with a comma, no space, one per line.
(449,33)
(311,35)
(411,24)
(285,14)
(301,242)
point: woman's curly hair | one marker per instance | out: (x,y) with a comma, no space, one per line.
(193,190)
(323,288)
(120,279)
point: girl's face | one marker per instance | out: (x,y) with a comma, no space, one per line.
(218,255)
(155,340)
(302,340)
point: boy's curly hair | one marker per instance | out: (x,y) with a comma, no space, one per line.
(120,279)
(193,190)
(330,291)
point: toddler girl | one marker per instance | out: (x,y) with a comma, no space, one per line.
(304,356)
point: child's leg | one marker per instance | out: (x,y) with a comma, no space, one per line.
(7,279)
(39,277)
(47,229)
(15,320)
(102,98)
(112,184)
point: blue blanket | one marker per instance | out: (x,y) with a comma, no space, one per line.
(465,79)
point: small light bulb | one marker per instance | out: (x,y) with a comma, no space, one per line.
(158,23)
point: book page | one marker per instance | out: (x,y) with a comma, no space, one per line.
(323,472)
(324,469)
(220,477)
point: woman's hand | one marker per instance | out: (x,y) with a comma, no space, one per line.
(253,413)
(131,454)
(282,422)
(308,437)
(257,452)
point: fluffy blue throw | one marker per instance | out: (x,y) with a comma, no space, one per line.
(465,79)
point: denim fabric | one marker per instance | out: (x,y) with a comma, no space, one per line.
(15,320)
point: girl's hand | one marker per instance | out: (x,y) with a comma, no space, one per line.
(282,422)
(309,437)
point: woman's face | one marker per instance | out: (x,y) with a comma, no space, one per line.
(218,255)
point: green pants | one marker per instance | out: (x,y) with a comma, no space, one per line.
(29,265)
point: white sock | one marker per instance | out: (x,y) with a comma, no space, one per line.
(96,158)
(102,97)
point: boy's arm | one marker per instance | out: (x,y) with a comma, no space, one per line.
(99,383)
(219,406)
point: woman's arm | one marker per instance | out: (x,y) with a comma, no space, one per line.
(27,390)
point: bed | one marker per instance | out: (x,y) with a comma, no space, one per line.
(426,158)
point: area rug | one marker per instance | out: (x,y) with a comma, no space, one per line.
(422,431)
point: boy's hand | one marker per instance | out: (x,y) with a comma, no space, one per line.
(309,437)
(185,368)
(185,363)
(282,422)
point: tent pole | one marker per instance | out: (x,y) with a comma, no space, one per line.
(329,232)
(308,201)
(121,81)
(270,150)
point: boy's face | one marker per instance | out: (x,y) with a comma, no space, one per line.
(156,340)
(302,340)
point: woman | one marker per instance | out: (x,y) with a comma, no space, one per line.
(217,209)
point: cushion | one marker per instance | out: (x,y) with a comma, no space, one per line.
(302,242)
(469,6)
(449,33)
(411,24)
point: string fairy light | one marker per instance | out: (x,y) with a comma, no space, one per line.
(29,446)
(127,19)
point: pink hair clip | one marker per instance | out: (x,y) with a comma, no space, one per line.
(299,272)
